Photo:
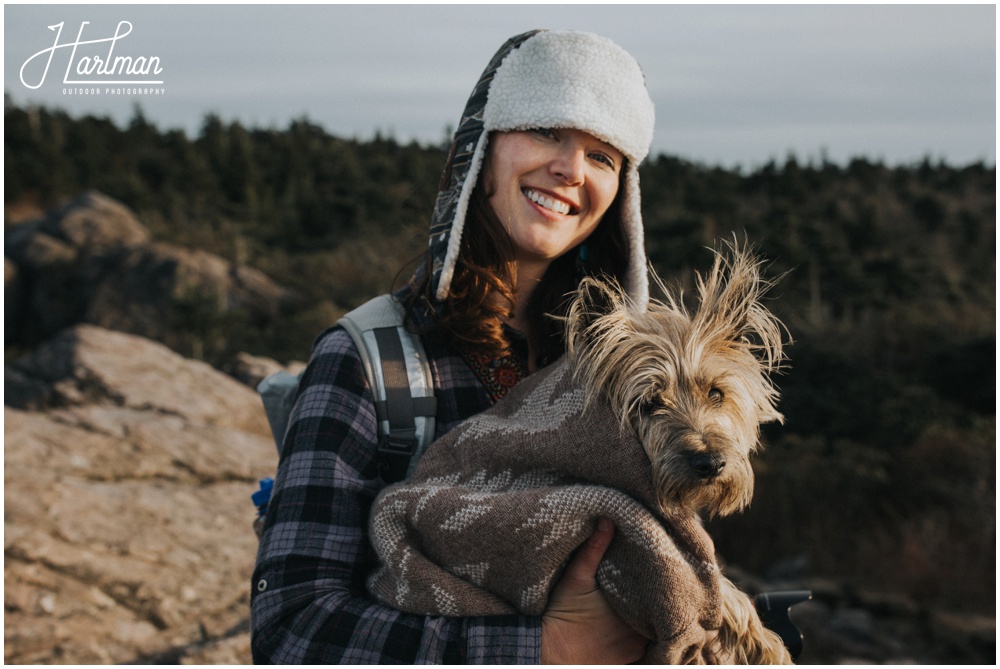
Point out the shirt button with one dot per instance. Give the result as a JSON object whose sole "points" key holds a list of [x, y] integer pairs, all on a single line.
{"points": [[261, 585]]}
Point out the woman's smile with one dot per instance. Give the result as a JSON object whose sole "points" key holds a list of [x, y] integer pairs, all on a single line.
{"points": [[549, 202]]}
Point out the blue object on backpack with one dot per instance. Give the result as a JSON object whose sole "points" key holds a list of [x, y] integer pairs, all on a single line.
{"points": [[263, 496]]}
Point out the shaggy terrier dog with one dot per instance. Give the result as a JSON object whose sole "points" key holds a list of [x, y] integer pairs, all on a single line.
{"points": [[649, 420]]}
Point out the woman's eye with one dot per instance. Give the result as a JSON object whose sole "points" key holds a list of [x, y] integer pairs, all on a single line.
{"points": [[716, 395], [604, 158], [544, 132]]}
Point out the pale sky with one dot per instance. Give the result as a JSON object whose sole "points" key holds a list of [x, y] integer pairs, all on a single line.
{"points": [[733, 85]]}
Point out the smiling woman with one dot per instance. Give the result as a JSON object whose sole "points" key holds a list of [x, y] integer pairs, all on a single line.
{"points": [[550, 188], [540, 190], [574, 90]]}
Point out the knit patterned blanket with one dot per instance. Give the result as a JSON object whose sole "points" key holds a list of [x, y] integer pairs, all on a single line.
{"points": [[494, 509]]}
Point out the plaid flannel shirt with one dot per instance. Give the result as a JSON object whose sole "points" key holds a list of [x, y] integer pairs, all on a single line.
{"points": [[308, 600]]}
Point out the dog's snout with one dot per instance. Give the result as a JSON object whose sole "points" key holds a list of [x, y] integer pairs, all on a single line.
{"points": [[707, 465]]}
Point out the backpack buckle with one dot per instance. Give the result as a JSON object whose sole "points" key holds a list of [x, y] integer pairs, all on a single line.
{"points": [[395, 452], [398, 444]]}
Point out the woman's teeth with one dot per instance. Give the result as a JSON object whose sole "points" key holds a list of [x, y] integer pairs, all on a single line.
{"points": [[546, 202]]}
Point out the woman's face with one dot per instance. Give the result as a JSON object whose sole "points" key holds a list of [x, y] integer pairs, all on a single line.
{"points": [[550, 188]]}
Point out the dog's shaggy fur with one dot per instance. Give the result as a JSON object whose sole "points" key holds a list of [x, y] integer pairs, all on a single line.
{"points": [[694, 387], [650, 420]]}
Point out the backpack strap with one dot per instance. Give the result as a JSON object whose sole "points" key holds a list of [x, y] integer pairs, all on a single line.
{"points": [[400, 377], [399, 374]]}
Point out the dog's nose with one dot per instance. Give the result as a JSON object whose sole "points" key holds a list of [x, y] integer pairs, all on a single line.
{"points": [[707, 465]]}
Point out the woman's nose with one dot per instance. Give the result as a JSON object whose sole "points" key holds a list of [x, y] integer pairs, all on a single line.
{"points": [[570, 163]]}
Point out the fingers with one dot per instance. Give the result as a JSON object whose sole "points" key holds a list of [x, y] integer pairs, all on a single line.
{"points": [[583, 568], [578, 625]]}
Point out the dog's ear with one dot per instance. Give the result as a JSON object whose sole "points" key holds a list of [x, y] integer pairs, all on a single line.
{"points": [[731, 307], [597, 298], [594, 299]]}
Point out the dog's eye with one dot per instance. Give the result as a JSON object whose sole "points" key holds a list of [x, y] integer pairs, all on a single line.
{"points": [[650, 404], [715, 395]]}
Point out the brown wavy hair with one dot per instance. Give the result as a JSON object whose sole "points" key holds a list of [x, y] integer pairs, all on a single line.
{"points": [[481, 294]]}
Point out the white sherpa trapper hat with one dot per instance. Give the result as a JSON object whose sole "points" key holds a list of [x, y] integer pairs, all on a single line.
{"points": [[550, 79]]}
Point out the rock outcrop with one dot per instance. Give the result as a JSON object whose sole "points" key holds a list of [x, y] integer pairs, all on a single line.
{"points": [[92, 261], [127, 476]]}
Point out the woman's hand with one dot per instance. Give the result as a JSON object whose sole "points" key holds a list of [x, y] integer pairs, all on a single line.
{"points": [[579, 627]]}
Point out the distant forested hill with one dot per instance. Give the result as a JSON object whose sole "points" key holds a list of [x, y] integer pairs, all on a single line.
{"points": [[885, 467]]}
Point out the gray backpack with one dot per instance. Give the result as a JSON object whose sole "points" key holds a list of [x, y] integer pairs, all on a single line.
{"points": [[399, 374]]}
